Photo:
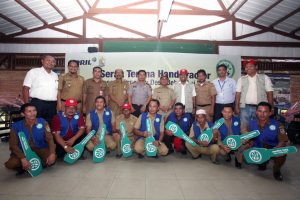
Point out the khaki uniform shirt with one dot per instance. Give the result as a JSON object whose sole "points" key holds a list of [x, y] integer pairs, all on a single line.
{"points": [[93, 89], [118, 89], [164, 95], [129, 123], [204, 93], [14, 141], [140, 92], [161, 128], [71, 87]]}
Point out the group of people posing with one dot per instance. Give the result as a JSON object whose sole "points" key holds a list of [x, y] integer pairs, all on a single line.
{"points": [[59, 112]]}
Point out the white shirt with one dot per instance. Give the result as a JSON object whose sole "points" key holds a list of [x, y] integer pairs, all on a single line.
{"points": [[183, 92], [251, 96], [225, 90], [43, 85]]}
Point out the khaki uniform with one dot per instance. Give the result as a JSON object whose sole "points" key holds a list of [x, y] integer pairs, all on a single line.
{"points": [[110, 143], [118, 89], [92, 89], [14, 162], [139, 146], [204, 94], [165, 96], [212, 150]]}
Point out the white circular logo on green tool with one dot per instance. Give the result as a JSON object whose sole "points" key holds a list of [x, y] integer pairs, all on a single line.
{"points": [[173, 128], [231, 143], [204, 137], [150, 147], [99, 153], [126, 148], [35, 164], [229, 65], [255, 156], [74, 155]]}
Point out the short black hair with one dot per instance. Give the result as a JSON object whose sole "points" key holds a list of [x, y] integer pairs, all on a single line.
{"points": [[97, 67], [140, 71], [101, 97], [201, 71], [74, 61], [179, 104], [25, 105], [222, 65], [227, 106], [152, 100], [263, 103]]}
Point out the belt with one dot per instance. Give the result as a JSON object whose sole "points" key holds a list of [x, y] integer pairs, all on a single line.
{"points": [[204, 105], [252, 105], [47, 101], [137, 104], [78, 101]]}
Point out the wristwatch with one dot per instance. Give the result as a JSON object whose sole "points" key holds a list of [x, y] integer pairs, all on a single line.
{"points": [[65, 147]]}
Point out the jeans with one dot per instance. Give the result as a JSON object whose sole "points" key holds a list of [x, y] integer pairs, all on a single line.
{"points": [[246, 115]]}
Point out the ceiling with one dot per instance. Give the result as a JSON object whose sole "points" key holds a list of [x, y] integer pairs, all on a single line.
{"points": [[230, 20]]}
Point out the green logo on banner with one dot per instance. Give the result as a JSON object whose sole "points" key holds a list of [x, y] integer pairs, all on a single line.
{"points": [[229, 65], [231, 143], [35, 164], [74, 155], [255, 156]]}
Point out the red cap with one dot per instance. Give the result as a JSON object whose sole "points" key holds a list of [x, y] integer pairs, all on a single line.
{"points": [[251, 61], [183, 71], [71, 102], [126, 106]]}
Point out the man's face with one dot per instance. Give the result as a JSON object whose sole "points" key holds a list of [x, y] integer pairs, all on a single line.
{"points": [[49, 62], [141, 76], [263, 113], [119, 74], [70, 111], [126, 112], [222, 72], [73, 67], [153, 107], [99, 104], [183, 77], [227, 113], [250, 69], [164, 81], [30, 113], [178, 111], [201, 119], [201, 77], [97, 73]]}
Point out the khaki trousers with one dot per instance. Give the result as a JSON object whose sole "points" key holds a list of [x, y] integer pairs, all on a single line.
{"points": [[110, 143], [212, 150]]}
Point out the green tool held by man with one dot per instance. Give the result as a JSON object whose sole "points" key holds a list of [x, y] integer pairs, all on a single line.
{"points": [[151, 149], [125, 142], [207, 134], [36, 167], [178, 132], [261, 155], [71, 158], [99, 151], [235, 141]]}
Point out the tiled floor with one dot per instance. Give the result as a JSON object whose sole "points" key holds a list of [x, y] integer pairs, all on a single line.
{"points": [[172, 177]]}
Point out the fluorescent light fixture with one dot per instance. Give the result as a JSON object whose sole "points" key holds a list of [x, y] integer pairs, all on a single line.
{"points": [[165, 8]]}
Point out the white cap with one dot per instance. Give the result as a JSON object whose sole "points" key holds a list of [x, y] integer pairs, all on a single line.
{"points": [[200, 112]]}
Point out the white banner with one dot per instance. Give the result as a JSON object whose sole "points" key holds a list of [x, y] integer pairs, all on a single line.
{"points": [[155, 65]]}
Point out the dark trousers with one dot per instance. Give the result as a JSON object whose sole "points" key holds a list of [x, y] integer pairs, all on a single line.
{"points": [[168, 140], [137, 109], [218, 110], [60, 152], [45, 109]]}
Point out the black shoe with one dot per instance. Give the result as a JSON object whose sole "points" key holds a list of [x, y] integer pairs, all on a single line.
{"points": [[262, 167], [196, 157], [119, 155], [141, 156], [216, 162], [237, 164], [20, 172], [170, 151], [83, 156], [183, 152], [278, 176], [228, 158]]}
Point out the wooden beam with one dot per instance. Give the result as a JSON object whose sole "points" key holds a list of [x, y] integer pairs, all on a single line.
{"points": [[84, 26], [159, 29], [95, 4], [120, 27], [266, 10], [81, 6], [222, 5], [196, 29], [135, 4], [31, 11], [285, 17], [57, 9], [232, 4], [295, 31], [45, 26], [13, 22], [65, 32], [87, 3], [233, 24], [239, 7], [249, 34]]}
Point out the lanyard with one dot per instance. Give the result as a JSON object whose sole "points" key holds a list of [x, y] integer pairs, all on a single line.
{"points": [[221, 86]]}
